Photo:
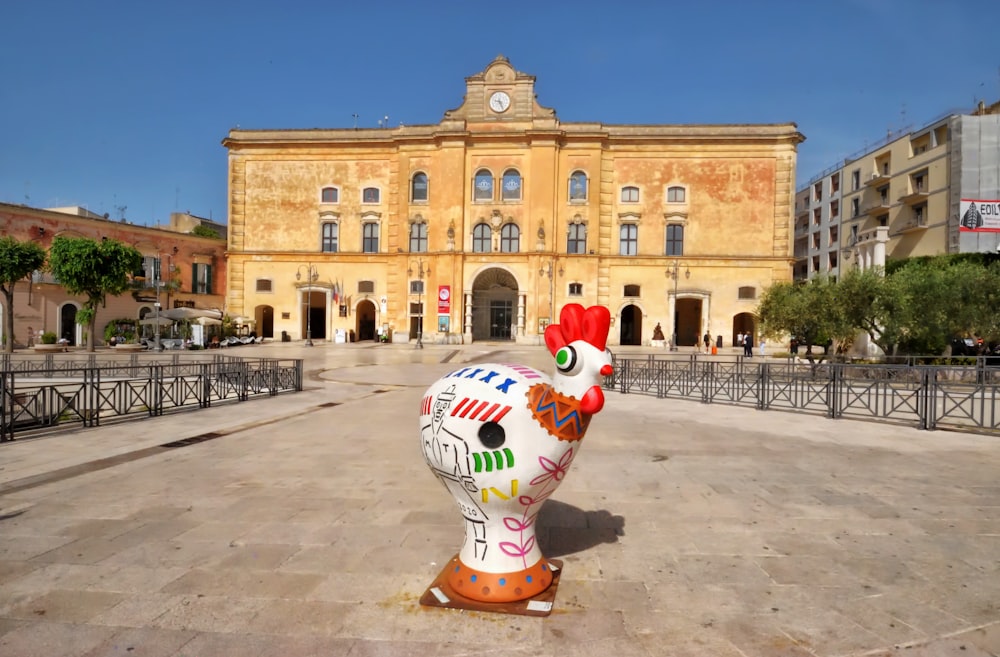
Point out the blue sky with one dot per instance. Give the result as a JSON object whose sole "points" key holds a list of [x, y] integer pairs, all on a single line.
{"points": [[111, 104]]}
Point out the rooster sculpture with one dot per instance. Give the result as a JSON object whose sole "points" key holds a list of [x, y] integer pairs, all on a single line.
{"points": [[501, 438]]}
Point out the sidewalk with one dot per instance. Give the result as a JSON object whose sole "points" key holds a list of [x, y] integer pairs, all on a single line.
{"points": [[308, 524]]}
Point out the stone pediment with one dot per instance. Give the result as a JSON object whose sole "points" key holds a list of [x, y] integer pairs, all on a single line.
{"points": [[501, 94]]}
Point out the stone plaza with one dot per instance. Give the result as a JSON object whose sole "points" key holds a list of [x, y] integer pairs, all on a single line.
{"points": [[308, 524]]}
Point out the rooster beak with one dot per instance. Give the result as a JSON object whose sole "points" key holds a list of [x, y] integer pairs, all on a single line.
{"points": [[607, 370]]}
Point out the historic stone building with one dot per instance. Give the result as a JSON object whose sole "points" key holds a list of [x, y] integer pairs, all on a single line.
{"points": [[191, 272], [482, 226]]}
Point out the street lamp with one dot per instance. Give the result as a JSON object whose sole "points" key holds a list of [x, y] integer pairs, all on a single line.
{"points": [[311, 276], [421, 271], [156, 327], [547, 271], [674, 273]]}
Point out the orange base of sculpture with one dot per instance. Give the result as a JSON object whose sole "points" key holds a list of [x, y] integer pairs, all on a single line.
{"points": [[496, 593]]}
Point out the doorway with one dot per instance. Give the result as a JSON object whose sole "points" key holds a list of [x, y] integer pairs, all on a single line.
{"points": [[265, 320], [314, 317], [630, 330], [494, 303], [67, 324], [687, 319], [365, 314]]}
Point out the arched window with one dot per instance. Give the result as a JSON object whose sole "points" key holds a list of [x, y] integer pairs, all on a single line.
{"points": [[481, 239], [576, 241], [418, 238], [630, 194], [577, 187], [418, 188], [628, 240], [371, 195], [483, 185], [370, 238], [331, 238], [329, 195], [511, 185], [675, 240], [676, 194], [510, 239]]}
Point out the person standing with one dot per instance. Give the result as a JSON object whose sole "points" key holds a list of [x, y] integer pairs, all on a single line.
{"points": [[748, 344], [707, 339]]}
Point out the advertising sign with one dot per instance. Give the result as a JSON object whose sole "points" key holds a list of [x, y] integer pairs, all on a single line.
{"points": [[444, 299], [979, 216]]}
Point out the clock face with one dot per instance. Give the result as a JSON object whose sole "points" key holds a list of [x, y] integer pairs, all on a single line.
{"points": [[499, 101]]}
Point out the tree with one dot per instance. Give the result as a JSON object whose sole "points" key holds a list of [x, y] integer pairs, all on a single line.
{"points": [[93, 269], [17, 260], [807, 310], [204, 231]]}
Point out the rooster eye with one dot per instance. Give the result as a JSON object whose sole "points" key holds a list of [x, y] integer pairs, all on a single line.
{"points": [[567, 361], [492, 435]]}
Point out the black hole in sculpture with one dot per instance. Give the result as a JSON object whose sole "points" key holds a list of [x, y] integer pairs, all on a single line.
{"points": [[492, 435]]}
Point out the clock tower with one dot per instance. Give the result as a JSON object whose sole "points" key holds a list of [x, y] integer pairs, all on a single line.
{"points": [[500, 93]]}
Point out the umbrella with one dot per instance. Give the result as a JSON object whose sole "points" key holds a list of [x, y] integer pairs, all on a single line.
{"points": [[239, 319], [152, 321], [208, 321], [190, 313]]}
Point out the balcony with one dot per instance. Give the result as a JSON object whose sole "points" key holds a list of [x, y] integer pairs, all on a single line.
{"points": [[877, 179], [918, 195], [913, 225], [878, 207]]}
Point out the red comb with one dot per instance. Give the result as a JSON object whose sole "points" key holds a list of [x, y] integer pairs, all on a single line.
{"points": [[575, 323]]}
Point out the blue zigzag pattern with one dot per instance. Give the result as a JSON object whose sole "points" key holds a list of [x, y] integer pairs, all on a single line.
{"points": [[560, 421]]}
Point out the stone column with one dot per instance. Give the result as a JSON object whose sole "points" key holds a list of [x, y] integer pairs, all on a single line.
{"points": [[468, 316]]}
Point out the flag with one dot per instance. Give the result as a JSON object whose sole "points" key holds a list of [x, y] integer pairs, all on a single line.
{"points": [[336, 292]]}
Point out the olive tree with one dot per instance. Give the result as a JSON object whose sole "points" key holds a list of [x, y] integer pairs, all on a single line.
{"points": [[94, 269], [17, 260]]}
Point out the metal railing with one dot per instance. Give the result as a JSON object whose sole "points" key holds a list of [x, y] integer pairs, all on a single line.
{"points": [[50, 393], [925, 396]]}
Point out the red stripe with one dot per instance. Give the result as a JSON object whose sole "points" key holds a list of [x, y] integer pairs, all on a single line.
{"points": [[476, 412], [487, 414], [459, 407], [468, 408], [499, 416]]}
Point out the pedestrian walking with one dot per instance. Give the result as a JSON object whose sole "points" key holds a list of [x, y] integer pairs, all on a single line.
{"points": [[707, 339], [748, 344]]}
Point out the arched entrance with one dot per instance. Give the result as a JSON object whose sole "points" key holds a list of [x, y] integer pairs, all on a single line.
{"points": [[630, 326], [314, 319], [265, 320], [67, 323], [365, 314], [494, 305], [744, 323], [688, 322]]}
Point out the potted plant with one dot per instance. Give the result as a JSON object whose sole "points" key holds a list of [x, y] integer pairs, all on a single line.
{"points": [[48, 342]]}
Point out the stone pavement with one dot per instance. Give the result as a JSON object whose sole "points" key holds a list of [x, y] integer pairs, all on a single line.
{"points": [[308, 524]]}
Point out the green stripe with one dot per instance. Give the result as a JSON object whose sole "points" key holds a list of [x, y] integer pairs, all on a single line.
{"points": [[499, 459], [510, 457], [489, 462], [479, 462]]}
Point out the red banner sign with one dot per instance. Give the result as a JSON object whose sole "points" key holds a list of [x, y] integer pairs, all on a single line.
{"points": [[444, 299]]}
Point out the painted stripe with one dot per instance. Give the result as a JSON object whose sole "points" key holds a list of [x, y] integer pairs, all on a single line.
{"points": [[510, 457], [486, 416], [499, 416], [468, 407], [477, 411], [498, 457], [459, 407], [478, 460], [489, 461]]}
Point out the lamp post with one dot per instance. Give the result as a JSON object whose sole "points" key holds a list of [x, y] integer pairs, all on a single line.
{"points": [[547, 271], [156, 327], [674, 273], [421, 271], [311, 276]]}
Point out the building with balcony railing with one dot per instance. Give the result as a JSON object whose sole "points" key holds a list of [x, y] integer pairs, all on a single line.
{"points": [[905, 197]]}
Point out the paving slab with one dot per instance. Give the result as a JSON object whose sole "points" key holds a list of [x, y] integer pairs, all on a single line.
{"points": [[311, 526]]}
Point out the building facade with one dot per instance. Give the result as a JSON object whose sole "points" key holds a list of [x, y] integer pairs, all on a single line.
{"points": [[907, 196], [191, 270], [482, 226]]}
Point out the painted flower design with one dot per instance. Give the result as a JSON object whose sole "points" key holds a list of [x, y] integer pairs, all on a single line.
{"points": [[552, 469]]}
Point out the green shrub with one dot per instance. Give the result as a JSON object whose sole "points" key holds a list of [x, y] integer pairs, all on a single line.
{"points": [[48, 337]]}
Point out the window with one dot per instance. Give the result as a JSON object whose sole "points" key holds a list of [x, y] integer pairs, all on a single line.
{"points": [[631, 290], [835, 183], [834, 236], [855, 207], [675, 195], [370, 238], [817, 216], [416, 287], [854, 236], [330, 195], [748, 292], [370, 195], [418, 238], [628, 240], [675, 240], [511, 185], [418, 188], [483, 186], [918, 184], [630, 194], [855, 180], [264, 285], [151, 270], [366, 287], [510, 239], [201, 277], [576, 241], [818, 191], [578, 187], [834, 208], [576, 289], [919, 213], [331, 238], [481, 239]]}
